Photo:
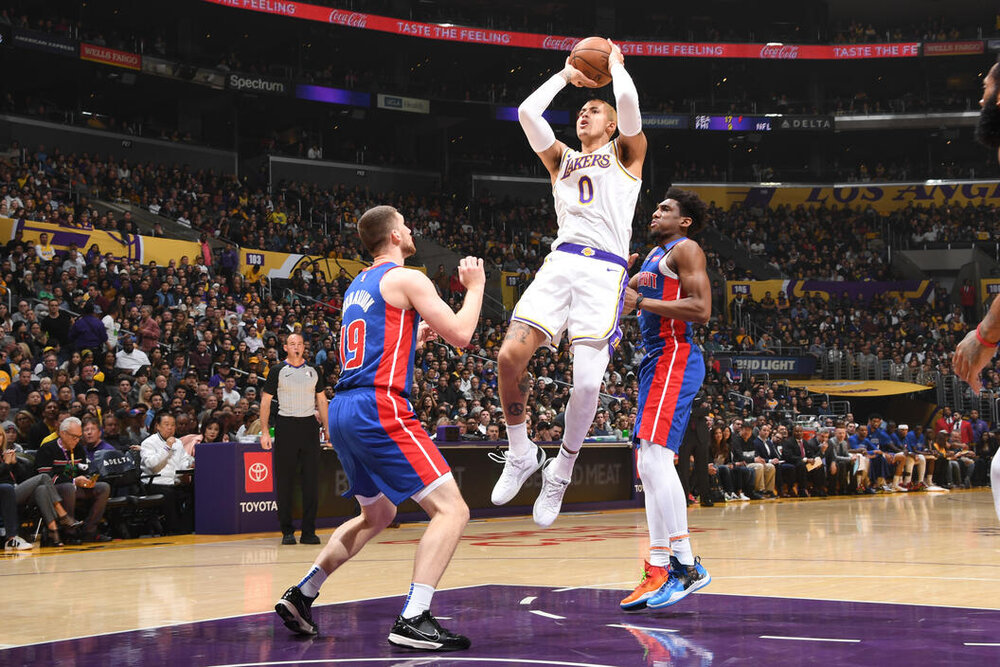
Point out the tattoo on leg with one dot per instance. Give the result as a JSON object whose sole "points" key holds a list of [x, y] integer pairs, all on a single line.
{"points": [[524, 383], [515, 409], [517, 331]]}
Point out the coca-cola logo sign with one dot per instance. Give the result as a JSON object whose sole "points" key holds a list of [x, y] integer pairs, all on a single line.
{"points": [[350, 19], [554, 43], [779, 51]]}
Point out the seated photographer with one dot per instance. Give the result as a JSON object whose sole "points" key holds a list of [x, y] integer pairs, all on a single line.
{"points": [[163, 456], [65, 459]]}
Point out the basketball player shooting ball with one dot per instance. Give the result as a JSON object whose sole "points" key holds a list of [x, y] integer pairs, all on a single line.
{"points": [[580, 286], [979, 345]]}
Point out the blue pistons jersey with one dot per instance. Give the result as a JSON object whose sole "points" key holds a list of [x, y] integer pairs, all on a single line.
{"points": [[377, 340], [379, 441]]}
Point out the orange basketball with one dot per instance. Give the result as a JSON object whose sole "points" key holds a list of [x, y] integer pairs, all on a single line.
{"points": [[590, 56]]}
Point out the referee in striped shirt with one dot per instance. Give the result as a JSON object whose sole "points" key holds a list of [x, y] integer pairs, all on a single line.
{"points": [[302, 407]]}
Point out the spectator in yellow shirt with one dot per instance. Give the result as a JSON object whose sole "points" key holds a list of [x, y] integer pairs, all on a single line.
{"points": [[46, 251]]}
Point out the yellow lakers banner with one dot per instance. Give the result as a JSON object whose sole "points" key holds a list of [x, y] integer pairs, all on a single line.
{"points": [[255, 264], [883, 198], [825, 289], [146, 249]]}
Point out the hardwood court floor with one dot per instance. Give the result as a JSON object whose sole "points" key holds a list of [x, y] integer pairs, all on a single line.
{"points": [[932, 549]]}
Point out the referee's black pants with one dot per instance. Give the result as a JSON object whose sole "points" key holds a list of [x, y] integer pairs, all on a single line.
{"points": [[296, 444]]}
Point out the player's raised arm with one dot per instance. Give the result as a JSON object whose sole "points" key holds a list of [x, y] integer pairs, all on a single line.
{"points": [[540, 135], [455, 328], [631, 140]]}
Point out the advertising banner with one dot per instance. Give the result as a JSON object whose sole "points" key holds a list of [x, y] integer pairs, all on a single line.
{"points": [[256, 83], [861, 387], [231, 477], [397, 103], [45, 41], [914, 290], [332, 95], [113, 57], [258, 472], [953, 48], [146, 249], [754, 364], [665, 121], [823, 123], [554, 116], [472, 35], [883, 198]]}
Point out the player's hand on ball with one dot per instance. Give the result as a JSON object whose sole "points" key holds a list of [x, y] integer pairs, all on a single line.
{"points": [[577, 78], [471, 273], [615, 57]]}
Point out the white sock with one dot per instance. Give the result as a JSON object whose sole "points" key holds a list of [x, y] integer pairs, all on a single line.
{"points": [[653, 489], [681, 544], [659, 554], [418, 601], [670, 494], [313, 580], [562, 467], [519, 445]]}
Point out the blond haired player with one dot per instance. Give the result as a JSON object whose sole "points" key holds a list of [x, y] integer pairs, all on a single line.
{"points": [[580, 286]]}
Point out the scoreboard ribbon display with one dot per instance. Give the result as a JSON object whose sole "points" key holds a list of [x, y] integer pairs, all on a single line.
{"points": [[472, 35]]}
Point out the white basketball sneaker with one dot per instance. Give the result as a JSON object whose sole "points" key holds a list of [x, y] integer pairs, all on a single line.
{"points": [[549, 500], [516, 470]]}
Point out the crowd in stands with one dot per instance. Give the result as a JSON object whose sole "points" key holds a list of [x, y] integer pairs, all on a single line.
{"points": [[154, 358]]}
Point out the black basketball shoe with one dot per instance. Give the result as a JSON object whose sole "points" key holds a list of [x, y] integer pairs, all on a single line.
{"points": [[295, 609], [426, 634]]}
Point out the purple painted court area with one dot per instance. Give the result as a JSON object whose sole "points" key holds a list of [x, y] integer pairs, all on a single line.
{"points": [[520, 625]]}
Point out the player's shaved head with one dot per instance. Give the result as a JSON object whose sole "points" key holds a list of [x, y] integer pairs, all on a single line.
{"points": [[375, 226]]}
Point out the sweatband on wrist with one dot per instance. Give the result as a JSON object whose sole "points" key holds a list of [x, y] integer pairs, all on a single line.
{"points": [[983, 341]]}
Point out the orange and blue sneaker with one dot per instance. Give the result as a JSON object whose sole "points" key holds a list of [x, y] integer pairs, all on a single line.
{"points": [[653, 577]]}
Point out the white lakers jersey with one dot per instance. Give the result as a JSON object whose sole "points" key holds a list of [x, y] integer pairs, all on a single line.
{"points": [[595, 200]]}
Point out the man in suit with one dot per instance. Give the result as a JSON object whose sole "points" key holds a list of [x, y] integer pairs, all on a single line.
{"points": [[767, 453], [695, 443], [840, 462], [793, 459], [816, 449], [963, 426]]}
